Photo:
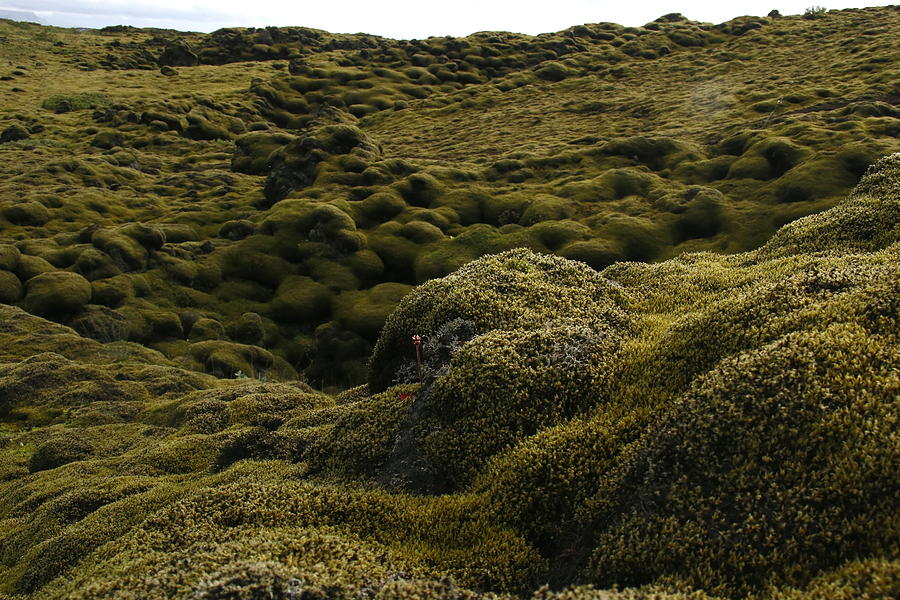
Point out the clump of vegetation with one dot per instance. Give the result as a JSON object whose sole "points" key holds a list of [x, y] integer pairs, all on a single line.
{"points": [[814, 11], [63, 103]]}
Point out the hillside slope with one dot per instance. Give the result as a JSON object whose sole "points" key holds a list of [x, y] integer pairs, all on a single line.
{"points": [[273, 193]]}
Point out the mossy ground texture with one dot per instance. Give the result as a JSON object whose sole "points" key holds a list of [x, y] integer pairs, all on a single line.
{"points": [[655, 272]]}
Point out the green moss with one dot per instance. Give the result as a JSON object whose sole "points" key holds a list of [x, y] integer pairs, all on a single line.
{"points": [[300, 299], [553, 71], [814, 180], [467, 204], [748, 394], [206, 329], [102, 324], [554, 235], [440, 301], [732, 436], [252, 151], [612, 185], [396, 252], [226, 359], [56, 294], [112, 292], [702, 215], [94, 264], [639, 238], [29, 214], [256, 259], [248, 329], [547, 208], [862, 222], [656, 153], [10, 288], [237, 230], [364, 434], [366, 311], [57, 451], [420, 189], [598, 253], [9, 257], [381, 207], [315, 222], [126, 253], [62, 103]]}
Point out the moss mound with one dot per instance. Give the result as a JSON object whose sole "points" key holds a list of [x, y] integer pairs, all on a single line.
{"points": [[56, 293], [10, 288]]}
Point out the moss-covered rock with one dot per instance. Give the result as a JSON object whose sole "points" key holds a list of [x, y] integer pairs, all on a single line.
{"points": [[56, 294], [32, 214], [14, 133], [237, 230], [31, 266], [126, 253], [229, 359], [95, 264], [366, 311], [9, 257], [253, 151], [315, 222], [750, 420], [295, 166], [10, 288], [206, 329], [59, 450], [178, 53], [102, 324], [248, 329], [300, 299], [511, 300]]}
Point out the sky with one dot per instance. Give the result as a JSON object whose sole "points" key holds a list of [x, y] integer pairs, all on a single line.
{"points": [[403, 19]]}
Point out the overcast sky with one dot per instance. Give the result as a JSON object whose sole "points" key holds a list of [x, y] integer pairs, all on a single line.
{"points": [[397, 19]]}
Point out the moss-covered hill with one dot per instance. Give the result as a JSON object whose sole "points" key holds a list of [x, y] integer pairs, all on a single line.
{"points": [[215, 250], [262, 201]]}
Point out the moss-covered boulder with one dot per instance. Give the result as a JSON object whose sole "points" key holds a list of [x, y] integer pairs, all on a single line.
{"points": [[237, 230], [300, 299], [9, 257], [206, 329], [30, 266], [229, 360], [126, 253], [95, 264], [752, 424], [296, 165], [14, 133], [10, 288], [500, 329], [102, 324], [253, 151], [59, 450], [33, 214], [248, 329], [56, 294], [178, 53], [366, 311]]}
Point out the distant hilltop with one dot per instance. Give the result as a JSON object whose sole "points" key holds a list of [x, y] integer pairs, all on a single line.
{"points": [[21, 15]]}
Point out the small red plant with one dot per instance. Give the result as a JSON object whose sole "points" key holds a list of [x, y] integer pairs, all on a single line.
{"points": [[417, 340]]}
